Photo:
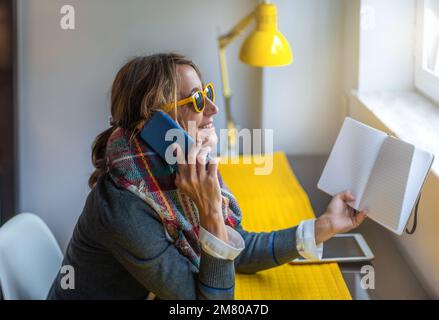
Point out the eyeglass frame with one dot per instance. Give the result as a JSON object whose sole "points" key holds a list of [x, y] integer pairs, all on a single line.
{"points": [[192, 99]]}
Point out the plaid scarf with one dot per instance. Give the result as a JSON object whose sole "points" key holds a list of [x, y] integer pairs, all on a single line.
{"points": [[137, 168]]}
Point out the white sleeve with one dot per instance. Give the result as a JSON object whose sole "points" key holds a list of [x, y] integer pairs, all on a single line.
{"points": [[306, 242], [220, 249]]}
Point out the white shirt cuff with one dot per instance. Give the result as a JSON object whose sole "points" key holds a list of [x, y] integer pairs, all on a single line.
{"points": [[220, 249], [306, 242]]}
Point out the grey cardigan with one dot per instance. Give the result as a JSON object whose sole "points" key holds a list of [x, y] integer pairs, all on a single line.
{"points": [[119, 251]]}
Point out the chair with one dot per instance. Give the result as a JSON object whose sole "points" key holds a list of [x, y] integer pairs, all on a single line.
{"points": [[29, 258]]}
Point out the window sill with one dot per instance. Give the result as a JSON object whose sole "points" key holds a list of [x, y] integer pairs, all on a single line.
{"points": [[407, 115]]}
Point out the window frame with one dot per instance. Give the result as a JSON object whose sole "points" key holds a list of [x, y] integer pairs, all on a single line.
{"points": [[425, 81]]}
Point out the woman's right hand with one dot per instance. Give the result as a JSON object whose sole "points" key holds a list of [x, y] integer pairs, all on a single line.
{"points": [[200, 183]]}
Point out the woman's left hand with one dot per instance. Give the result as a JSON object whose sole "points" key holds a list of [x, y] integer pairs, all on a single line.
{"points": [[338, 218]]}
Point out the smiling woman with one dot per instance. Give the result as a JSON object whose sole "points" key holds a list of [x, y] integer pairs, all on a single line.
{"points": [[149, 230]]}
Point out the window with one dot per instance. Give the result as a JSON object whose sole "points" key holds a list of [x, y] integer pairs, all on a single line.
{"points": [[427, 51], [430, 55]]}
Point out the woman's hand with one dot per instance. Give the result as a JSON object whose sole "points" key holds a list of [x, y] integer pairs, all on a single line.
{"points": [[200, 183], [338, 218]]}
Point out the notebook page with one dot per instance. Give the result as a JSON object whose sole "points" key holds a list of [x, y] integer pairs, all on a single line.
{"points": [[421, 164], [351, 160], [385, 191]]}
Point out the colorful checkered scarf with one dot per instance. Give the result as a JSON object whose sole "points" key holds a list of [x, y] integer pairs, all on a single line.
{"points": [[133, 165]]}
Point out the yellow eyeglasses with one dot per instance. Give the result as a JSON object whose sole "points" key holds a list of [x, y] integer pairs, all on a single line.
{"points": [[198, 99]]}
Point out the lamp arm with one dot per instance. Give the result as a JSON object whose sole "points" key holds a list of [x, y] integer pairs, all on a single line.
{"points": [[225, 39], [227, 93], [224, 72]]}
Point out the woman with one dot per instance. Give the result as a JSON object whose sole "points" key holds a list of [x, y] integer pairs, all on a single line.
{"points": [[147, 230]]}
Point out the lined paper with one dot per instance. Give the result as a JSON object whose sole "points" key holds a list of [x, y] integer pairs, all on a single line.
{"points": [[385, 191]]}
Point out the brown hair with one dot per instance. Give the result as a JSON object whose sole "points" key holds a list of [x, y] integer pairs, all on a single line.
{"points": [[142, 85]]}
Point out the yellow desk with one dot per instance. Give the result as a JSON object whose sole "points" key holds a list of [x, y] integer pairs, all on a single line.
{"points": [[273, 202]]}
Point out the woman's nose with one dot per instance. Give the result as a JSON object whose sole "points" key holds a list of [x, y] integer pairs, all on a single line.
{"points": [[211, 108]]}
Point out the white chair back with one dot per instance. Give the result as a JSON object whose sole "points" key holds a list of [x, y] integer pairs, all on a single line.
{"points": [[30, 258]]}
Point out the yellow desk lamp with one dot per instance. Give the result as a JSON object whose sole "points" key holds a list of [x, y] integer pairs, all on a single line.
{"points": [[264, 47]]}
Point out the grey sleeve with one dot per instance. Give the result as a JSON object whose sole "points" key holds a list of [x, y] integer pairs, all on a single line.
{"points": [[266, 250], [139, 243]]}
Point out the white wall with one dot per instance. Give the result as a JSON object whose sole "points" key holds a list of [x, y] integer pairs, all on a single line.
{"points": [[387, 42], [65, 78], [303, 102]]}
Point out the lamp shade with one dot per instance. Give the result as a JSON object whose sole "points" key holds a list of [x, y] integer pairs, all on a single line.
{"points": [[266, 46]]}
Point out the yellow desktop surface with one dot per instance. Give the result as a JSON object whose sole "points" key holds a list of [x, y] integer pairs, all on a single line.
{"points": [[272, 202]]}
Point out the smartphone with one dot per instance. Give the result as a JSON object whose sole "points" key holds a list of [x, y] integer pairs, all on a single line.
{"points": [[161, 131], [347, 247]]}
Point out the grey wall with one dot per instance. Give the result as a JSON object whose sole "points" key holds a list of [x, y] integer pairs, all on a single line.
{"points": [[65, 78]]}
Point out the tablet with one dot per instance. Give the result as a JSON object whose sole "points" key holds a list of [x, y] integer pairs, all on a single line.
{"points": [[347, 247]]}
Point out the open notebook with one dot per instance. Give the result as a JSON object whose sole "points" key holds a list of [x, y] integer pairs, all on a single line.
{"points": [[384, 173]]}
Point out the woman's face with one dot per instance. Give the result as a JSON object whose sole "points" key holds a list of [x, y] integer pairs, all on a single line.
{"points": [[189, 84]]}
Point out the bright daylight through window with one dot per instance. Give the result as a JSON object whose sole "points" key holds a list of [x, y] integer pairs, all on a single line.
{"points": [[430, 55]]}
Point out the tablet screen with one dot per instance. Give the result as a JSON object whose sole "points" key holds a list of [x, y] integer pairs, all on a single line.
{"points": [[339, 247]]}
